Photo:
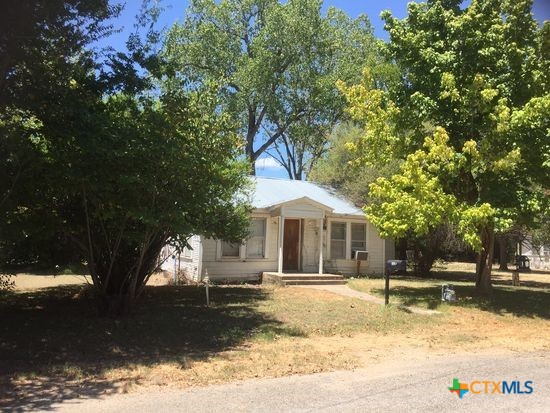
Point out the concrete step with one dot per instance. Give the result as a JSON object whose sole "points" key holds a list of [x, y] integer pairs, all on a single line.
{"points": [[314, 282], [310, 277], [302, 279]]}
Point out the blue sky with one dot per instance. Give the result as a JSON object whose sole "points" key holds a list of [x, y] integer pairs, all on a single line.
{"points": [[175, 11]]}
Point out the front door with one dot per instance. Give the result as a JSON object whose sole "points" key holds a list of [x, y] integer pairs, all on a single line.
{"points": [[291, 243]]}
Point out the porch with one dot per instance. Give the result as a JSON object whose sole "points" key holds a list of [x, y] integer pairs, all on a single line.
{"points": [[301, 237]]}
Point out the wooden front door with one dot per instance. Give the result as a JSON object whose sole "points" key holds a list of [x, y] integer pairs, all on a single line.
{"points": [[291, 242]]}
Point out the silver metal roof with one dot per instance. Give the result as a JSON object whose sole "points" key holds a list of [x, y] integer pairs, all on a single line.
{"points": [[270, 192]]}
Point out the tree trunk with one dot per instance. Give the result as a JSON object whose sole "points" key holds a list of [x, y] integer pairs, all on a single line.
{"points": [[503, 252], [251, 160], [119, 291], [485, 260], [426, 260], [113, 305]]}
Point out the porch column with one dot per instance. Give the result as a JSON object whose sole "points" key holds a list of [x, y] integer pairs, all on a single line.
{"points": [[321, 245], [280, 245]]}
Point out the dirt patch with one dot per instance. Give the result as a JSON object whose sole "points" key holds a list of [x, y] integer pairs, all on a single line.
{"points": [[29, 282]]}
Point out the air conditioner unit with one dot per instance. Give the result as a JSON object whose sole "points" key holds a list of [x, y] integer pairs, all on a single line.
{"points": [[360, 255]]}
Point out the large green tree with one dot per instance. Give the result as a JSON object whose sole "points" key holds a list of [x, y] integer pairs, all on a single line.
{"points": [[119, 163], [469, 122], [43, 47], [338, 168], [278, 62]]}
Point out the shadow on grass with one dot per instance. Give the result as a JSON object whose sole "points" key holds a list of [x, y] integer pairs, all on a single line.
{"points": [[497, 279], [54, 340], [517, 301]]}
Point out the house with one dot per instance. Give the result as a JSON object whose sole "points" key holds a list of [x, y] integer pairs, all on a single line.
{"points": [[539, 257], [296, 226]]}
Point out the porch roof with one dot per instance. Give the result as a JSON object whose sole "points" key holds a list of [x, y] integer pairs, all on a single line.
{"points": [[272, 192]]}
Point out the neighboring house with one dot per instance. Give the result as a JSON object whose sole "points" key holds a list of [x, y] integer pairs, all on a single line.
{"points": [[296, 226], [539, 259]]}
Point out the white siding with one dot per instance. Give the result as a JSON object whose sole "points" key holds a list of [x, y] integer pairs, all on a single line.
{"points": [[375, 247], [238, 269], [302, 210], [223, 269], [310, 246], [189, 265], [539, 259]]}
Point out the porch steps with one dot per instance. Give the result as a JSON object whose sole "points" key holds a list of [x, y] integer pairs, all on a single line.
{"points": [[302, 279]]}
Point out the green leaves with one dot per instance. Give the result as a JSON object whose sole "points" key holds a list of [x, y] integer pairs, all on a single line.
{"points": [[279, 62], [469, 122], [413, 200]]}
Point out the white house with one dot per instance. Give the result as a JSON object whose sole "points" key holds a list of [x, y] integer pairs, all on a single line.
{"points": [[296, 227], [539, 258]]}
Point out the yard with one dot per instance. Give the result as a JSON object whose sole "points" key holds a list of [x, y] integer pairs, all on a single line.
{"points": [[54, 347], [530, 300]]}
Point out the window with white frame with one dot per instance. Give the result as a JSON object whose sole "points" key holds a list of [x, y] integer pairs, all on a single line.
{"points": [[358, 238], [187, 252], [255, 244], [230, 250], [337, 240]]}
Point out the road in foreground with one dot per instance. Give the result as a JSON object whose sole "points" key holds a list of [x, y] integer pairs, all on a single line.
{"points": [[392, 387]]}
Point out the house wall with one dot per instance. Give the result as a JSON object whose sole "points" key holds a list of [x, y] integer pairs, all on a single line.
{"points": [[539, 258], [188, 261], [376, 247], [224, 269], [310, 246]]}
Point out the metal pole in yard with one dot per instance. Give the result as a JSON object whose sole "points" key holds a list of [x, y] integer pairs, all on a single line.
{"points": [[387, 286], [206, 282], [175, 270]]}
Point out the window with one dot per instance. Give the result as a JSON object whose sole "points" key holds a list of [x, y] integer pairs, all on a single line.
{"points": [[230, 250], [255, 244], [187, 252], [358, 238], [338, 240]]}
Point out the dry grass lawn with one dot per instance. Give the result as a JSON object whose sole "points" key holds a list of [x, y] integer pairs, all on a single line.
{"points": [[53, 346]]}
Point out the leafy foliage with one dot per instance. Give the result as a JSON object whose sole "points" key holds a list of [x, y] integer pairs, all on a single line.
{"points": [[278, 63], [43, 61], [339, 168], [469, 122], [115, 166]]}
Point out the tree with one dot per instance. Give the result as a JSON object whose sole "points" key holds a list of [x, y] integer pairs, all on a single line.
{"points": [[42, 50], [137, 187], [279, 63], [469, 123], [338, 169], [120, 166], [299, 148]]}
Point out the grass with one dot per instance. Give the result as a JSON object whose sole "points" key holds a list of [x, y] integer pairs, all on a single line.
{"points": [[54, 347], [52, 338], [531, 300]]}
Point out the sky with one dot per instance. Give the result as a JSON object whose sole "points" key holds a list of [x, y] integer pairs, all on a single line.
{"points": [[175, 12]]}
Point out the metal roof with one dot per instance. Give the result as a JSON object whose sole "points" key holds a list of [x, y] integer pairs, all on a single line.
{"points": [[270, 192]]}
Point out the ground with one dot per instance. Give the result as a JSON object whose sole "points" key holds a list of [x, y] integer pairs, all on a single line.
{"points": [[389, 387], [55, 348]]}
